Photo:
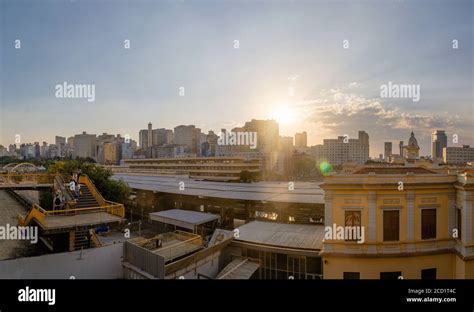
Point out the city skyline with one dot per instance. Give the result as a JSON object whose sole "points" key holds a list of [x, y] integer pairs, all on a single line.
{"points": [[298, 69], [372, 154]]}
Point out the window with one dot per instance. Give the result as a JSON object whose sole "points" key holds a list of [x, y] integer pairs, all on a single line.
{"points": [[429, 274], [351, 275], [459, 222], [391, 225], [428, 223], [390, 275], [352, 218]]}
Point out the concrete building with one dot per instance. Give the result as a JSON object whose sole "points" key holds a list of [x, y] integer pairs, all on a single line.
{"points": [[85, 145], [268, 133], [420, 231], [204, 168], [400, 146], [301, 139], [162, 136], [439, 141], [387, 150], [343, 149], [167, 151], [189, 136], [143, 139], [149, 135], [458, 155]]}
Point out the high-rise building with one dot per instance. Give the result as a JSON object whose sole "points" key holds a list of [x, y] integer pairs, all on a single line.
{"points": [[85, 145], [189, 136], [286, 143], [44, 151], [60, 142], [439, 141], [343, 149], [161, 137], [268, 133], [387, 150], [150, 135], [400, 146], [301, 139], [143, 139], [212, 140], [458, 155]]}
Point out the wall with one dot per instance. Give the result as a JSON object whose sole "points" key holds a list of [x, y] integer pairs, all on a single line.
{"points": [[410, 267], [96, 263]]}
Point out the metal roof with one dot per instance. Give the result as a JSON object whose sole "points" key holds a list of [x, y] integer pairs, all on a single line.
{"points": [[299, 236], [304, 192], [183, 218]]}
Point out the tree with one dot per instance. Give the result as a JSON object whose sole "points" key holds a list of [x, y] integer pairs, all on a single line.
{"points": [[117, 191], [245, 176]]}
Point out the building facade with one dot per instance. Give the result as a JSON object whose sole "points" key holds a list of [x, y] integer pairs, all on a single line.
{"points": [[458, 155], [418, 224], [439, 141]]}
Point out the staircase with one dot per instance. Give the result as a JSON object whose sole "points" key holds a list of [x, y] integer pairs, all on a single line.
{"points": [[81, 241], [86, 199]]}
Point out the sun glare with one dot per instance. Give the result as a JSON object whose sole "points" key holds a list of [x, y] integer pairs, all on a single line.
{"points": [[283, 114]]}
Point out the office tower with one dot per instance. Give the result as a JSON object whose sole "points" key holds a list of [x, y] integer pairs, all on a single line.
{"points": [[85, 145], [387, 150], [268, 133], [143, 139], [161, 137], [458, 155], [439, 141], [343, 149], [189, 136], [301, 139], [400, 146], [150, 135]]}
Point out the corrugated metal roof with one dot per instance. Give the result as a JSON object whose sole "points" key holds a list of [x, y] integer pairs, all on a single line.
{"points": [[299, 236], [304, 192], [183, 218]]}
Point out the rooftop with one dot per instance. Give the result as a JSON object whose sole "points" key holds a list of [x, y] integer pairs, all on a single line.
{"points": [[304, 192], [183, 218], [299, 236], [394, 170]]}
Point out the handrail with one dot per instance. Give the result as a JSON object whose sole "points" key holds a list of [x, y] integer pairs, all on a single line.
{"points": [[59, 184], [84, 179], [115, 209]]}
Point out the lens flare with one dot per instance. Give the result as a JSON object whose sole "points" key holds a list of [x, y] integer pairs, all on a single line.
{"points": [[325, 168]]}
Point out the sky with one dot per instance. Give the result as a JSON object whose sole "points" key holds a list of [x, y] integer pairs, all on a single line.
{"points": [[315, 66]]}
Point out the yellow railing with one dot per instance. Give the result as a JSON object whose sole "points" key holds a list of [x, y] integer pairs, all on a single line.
{"points": [[94, 239], [84, 179], [40, 214], [35, 212], [111, 207]]}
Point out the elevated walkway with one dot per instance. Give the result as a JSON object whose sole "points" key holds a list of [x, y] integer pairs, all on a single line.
{"points": [[77, 218]]}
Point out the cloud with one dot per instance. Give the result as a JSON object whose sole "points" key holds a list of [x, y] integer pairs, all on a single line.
{"points": [[333, 107], [341, 111]]}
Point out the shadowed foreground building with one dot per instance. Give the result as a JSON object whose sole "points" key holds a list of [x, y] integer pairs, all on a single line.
{"points": [[420, 228]]}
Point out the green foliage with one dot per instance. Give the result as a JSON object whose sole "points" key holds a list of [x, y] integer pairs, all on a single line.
{"points": [[247, 176], [117, 191]]}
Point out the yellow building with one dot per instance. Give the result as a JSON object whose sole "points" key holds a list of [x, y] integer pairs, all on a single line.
{"points": [[417, 224]]}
